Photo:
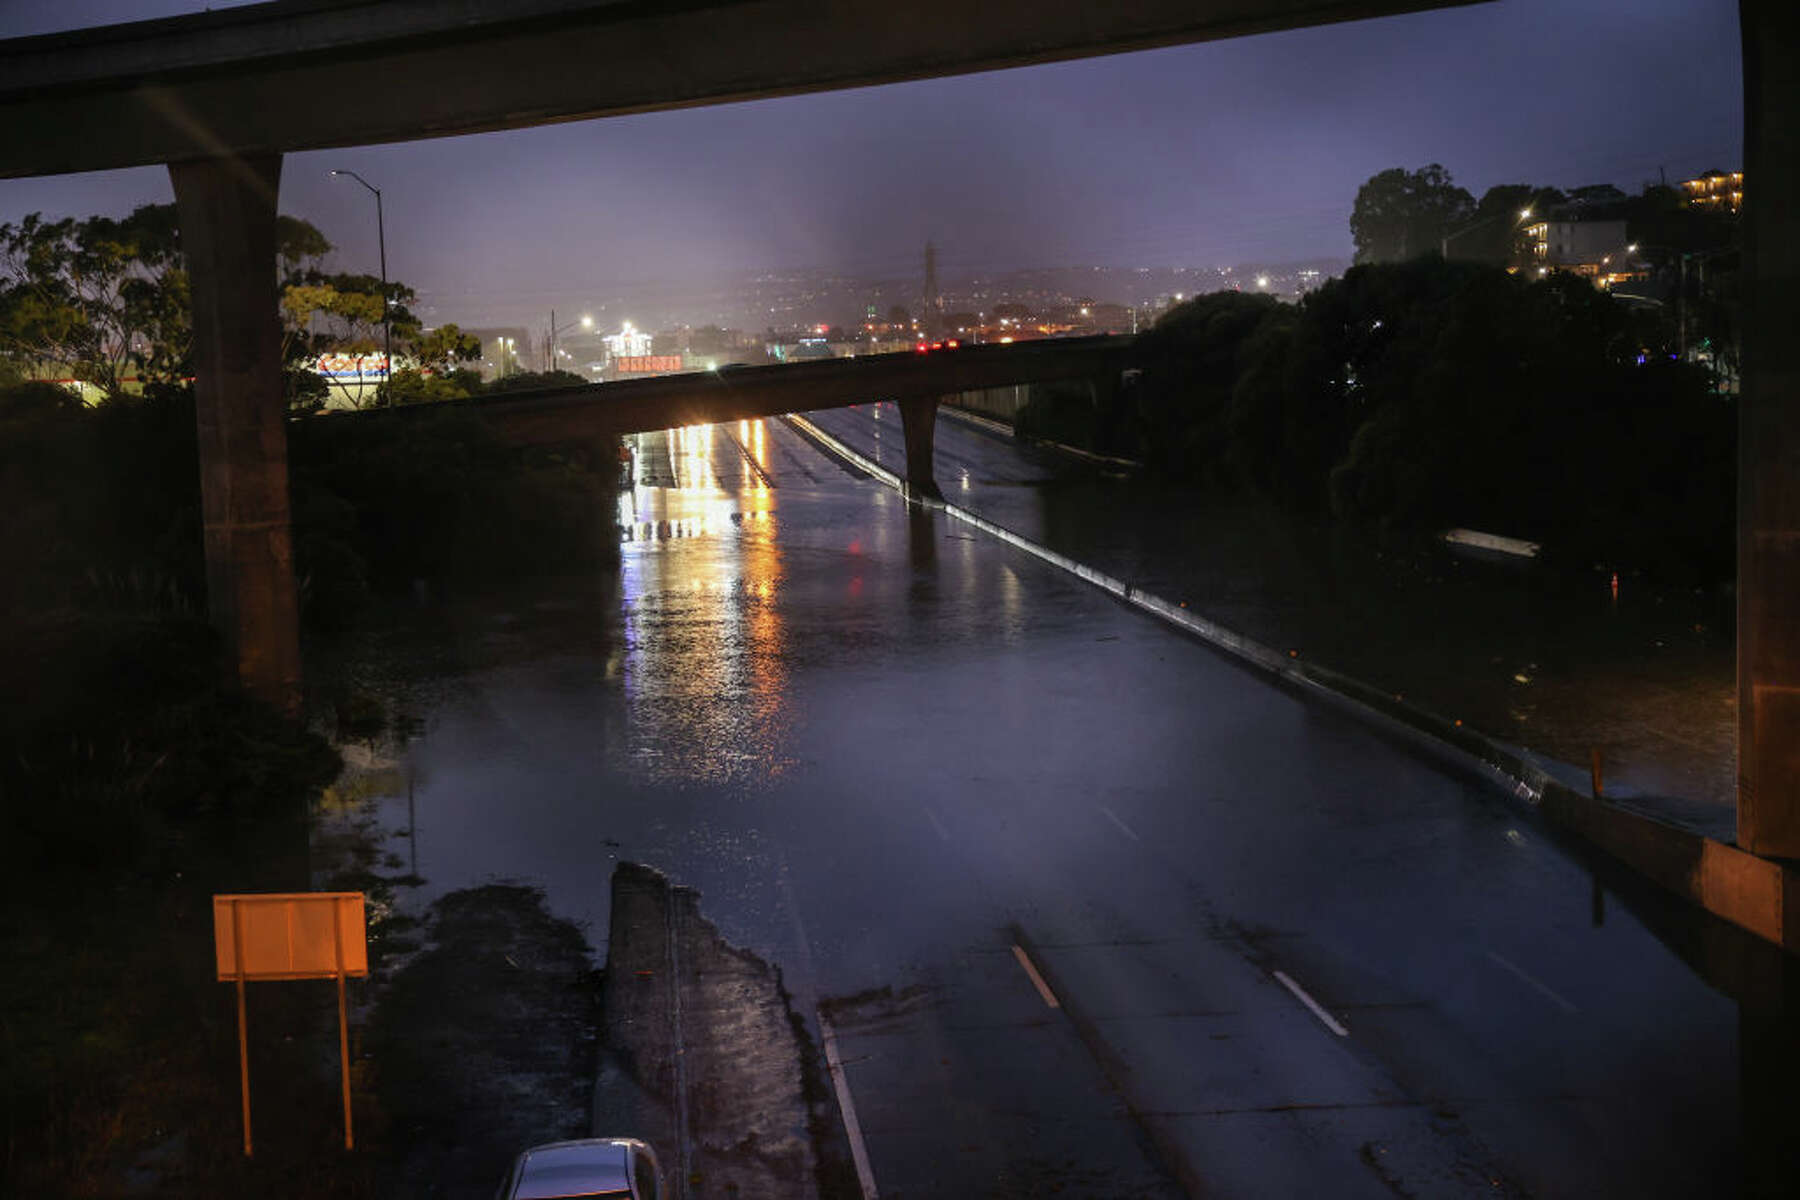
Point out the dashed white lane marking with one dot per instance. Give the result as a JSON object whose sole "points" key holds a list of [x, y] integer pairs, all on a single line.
{"points": [[1330, 1021], [937, 824], [1542, 989], [1037, 980], [1123, 827], [859, 1154]]}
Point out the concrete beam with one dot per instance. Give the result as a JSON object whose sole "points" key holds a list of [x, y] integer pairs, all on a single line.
{"points": [[578, 414], [313, 74], [227, 211], [1768, 634]]}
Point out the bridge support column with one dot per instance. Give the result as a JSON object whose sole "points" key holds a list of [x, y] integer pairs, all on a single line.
{"points": [[1768, 634], [918, 424], [226, 208]]}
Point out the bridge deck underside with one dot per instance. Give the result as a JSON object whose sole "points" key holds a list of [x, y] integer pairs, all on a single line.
{"points": [[274, 78]]}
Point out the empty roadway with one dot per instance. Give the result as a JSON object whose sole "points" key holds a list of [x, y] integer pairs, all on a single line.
{"points": [[943, 786]]}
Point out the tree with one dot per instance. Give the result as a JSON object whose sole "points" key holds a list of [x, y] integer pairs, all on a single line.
{"points": [[1190, 361], [107, 300], [526, 381], [442, 348], [342, 314], [1402, 214], [415, 387], [1493, 231], [95, 298]]}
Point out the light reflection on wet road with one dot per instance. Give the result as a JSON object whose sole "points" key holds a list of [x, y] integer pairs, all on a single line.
{"points": [[885, 749]]}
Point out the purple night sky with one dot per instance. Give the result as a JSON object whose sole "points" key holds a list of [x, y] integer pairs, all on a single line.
{"points": [[1248, 150]]}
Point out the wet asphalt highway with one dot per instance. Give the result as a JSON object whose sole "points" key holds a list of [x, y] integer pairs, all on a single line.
{"points": [[1089, 910]]}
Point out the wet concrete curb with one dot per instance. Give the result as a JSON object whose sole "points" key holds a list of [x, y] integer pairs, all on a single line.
{"points": [[1757, 894], [703, 1055]]}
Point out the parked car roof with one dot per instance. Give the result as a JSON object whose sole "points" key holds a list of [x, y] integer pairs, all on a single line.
{"points": [[590, 1167]]}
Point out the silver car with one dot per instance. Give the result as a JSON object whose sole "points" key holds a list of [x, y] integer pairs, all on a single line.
{"points": [[591, 1167]]}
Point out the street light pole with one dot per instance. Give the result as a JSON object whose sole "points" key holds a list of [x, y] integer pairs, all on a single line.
{"points": [[1444, 244], [585, 322], [387, 324]]}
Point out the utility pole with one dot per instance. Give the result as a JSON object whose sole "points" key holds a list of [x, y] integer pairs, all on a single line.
{"points": [[1681, 314], [934, 304]]}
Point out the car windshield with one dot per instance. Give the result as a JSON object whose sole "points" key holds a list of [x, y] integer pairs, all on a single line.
{"points": [[561, 1172]]}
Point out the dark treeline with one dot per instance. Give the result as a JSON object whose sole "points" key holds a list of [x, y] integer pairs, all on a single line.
{"points": [[134, 781], [100, 505], [100, 526], [113, 699], [1426, 395]]}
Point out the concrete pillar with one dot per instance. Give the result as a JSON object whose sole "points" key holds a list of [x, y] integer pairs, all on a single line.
{"points": [[226, 208], [918, 422], [1769, 438]]}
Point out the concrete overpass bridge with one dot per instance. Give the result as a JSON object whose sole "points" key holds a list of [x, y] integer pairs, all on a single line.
{"points": [[220, 96], [915, 381]]}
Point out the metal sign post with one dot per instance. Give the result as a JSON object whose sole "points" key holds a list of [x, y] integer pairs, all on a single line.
{"points": [[291, 935]]}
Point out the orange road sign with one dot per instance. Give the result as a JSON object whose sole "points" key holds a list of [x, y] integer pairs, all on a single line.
{"points": [[291, 935]]}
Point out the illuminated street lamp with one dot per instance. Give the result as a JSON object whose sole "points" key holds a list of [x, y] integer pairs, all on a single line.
{"points": [[387, 325], [586, 322]]}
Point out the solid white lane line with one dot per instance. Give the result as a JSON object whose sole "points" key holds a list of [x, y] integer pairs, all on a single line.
{"points": [[937, 824], [1330, 1021], [859, 1153], [1123, 827], [1542, 989], [1037, 980]]}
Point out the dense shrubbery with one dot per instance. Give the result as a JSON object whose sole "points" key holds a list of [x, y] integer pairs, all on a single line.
{"points": [[525, 381], [386, 498], [120, 747], [1430, 394], [100, 507], [114, 720]]}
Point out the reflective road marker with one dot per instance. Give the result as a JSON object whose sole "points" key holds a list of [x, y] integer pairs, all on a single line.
{"points": [[1037, 980], [1123, 827], [1330, 1021], [1542, 989]]}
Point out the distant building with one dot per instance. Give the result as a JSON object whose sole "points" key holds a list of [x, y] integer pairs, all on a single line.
{"points": [[629, 342], [636, 366], [1719, 190], [1595, 249], [504, 351], [1593, 202], [807, 347]]}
